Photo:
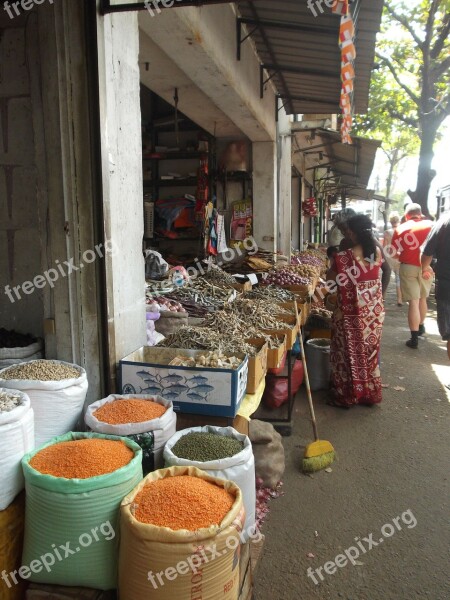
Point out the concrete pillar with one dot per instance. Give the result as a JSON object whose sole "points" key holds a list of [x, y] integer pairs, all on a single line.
{"points": [[285, 185], [121, 155], [265, 217]]}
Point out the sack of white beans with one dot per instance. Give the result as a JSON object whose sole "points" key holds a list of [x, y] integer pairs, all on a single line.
{"points": [[57, 391], [16, 439]]}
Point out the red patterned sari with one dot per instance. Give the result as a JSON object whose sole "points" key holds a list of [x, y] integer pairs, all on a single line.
{"points": [[356, 332]]}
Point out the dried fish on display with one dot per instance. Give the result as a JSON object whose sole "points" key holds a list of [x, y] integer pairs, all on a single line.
{"points": [[260, 308], [203, 294], [215, 274], [271, 292], [202, 338], [230, 323]]}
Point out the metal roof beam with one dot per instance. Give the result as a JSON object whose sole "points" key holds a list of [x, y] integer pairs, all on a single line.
{"points": [[286, 26]]}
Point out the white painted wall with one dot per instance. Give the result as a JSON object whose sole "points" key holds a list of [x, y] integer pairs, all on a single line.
{"points": [[120, 114], [265, 194], [295, 226]]}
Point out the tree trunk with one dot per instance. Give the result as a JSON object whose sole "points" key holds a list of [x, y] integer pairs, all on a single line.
{"points": [[393, 160], [425, 174]]}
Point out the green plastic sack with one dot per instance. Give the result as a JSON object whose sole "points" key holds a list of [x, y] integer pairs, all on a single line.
{"points": [[72, 525]]}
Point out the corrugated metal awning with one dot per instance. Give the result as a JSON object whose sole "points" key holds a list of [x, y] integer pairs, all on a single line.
{"points": [[347, 167], [300, 52]]}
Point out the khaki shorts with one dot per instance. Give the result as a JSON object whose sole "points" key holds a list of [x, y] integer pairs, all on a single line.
{"points": [[413, 285]]}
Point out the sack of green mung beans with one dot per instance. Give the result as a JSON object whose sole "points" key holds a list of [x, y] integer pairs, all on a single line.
{"points": [[57, 391], [222, 452], [180, 536]]}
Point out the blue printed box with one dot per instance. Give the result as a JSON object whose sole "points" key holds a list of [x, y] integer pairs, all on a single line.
{"points": [[194, 390]]}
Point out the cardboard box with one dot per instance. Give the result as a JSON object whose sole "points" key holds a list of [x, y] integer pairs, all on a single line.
{"points": [[291, 330], [275, 355], [257, 365], [185, 421], [196, 390], [292, 307], [54, 592]]}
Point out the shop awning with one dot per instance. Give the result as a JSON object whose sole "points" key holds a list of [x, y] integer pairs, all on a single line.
{"points": [[299, 51], [341, 166]]}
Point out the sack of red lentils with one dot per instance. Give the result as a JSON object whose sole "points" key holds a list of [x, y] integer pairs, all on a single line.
{"points": [[180, 537], [57, 391], [223, 453], [150, 421], [74, 486]]}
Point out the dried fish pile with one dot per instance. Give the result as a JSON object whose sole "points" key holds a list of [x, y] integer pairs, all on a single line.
{"points": [[271, 292], [230, 323], [260, 319], [9, 401], [219, 277], [321, 312], [203, 296], [202, 338], [214, 360], [261, 307]]}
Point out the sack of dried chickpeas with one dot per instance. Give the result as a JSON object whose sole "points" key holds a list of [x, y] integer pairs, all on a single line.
{"points": [[57, 391], [149, 421], [74, 487], [180, 537]]}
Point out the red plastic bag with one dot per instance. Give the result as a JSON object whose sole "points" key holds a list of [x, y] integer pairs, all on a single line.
{"points": [[276, 392]]}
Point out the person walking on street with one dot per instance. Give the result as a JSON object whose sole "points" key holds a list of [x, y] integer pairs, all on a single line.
{"points": [[437, 246], [406, 242], [394, 219]]}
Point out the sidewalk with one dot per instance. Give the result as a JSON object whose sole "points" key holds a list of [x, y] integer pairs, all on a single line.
{"points": [[391, 458]]}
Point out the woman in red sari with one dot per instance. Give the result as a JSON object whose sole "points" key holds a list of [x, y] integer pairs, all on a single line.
{"points": [[357, 320]]}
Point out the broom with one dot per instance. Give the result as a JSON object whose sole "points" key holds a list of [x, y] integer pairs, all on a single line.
{"points": [[319, 454]]}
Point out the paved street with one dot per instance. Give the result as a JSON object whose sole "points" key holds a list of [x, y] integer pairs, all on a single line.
{"points": [[393, 458]]}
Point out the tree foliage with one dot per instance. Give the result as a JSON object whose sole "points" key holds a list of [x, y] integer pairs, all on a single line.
{"points": [[410, 91]]}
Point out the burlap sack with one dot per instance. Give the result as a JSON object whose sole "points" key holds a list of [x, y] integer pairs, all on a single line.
{"points": [[268, 451]]}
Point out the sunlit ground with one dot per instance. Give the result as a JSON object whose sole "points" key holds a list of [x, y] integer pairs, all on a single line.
{"points": [[442, 371]]}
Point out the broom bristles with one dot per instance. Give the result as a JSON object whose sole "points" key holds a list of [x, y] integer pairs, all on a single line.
{"points": [[317, 463]]}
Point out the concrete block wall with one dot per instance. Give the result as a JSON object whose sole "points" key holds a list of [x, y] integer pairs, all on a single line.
{"points": [[20, 237]]}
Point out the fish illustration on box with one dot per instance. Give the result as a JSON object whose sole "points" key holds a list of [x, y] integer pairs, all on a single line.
{"points": [[153, 390], [196, 397], [197, 380], [203, 389], [172, 378], [177, 389]]}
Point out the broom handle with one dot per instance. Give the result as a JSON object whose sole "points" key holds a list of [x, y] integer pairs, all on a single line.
{"points": [[308, 388]]}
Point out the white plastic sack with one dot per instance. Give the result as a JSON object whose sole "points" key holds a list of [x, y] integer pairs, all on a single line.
{"points": [[239, 468], [16, 440], [9, 362], [21, 353], [57, 405], [161, 429]]}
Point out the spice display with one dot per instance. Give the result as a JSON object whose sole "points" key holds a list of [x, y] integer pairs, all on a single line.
{"points": [[41, 370], [12, 339], [129, 410], [81, 459], [183, 502], [202, 338], [206, 447], [9, 401], [215, 360], [285, 277]]}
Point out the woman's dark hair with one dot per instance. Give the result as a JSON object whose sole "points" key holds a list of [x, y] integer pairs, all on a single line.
{"points": [[361, 226]]}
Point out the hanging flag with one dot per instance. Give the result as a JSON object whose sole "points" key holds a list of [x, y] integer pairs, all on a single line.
{"points": [[348, 51], [347, 71], [347, 29], [345, 103], [347, 86], [340, 7]]}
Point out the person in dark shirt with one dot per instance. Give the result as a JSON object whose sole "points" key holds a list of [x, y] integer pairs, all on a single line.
{"points": [[437, 245]]}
